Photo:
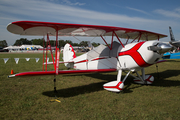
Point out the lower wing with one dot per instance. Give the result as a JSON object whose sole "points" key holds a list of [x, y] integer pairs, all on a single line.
{"points": [[36, 73]]}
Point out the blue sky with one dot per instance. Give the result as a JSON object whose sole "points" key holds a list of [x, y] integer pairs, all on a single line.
{"points": [[151, 15]]}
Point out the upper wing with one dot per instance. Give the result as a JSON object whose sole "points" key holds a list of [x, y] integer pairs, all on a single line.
{"points": [[66, 29]]}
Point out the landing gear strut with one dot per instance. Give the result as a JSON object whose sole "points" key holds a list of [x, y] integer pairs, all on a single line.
{"points": [[55, 92], [118, 85]]}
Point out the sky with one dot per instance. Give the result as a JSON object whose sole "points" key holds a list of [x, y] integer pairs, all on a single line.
{"points": [[151, 15]]}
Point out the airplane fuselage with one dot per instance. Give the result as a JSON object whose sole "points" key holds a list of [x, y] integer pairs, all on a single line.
{"points": [[131, 56]]}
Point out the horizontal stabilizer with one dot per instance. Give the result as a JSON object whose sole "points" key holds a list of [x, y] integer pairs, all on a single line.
{"points": [[36, 73], [60, 62]]}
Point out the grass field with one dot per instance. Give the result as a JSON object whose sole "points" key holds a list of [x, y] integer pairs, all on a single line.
{"points": [[82, 96]]}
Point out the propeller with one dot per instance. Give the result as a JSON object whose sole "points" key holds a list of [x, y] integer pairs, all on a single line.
{"points": [[160, 48]]}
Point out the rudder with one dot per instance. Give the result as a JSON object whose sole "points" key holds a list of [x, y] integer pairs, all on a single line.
{"points": [[171, 34], [68, 55]]}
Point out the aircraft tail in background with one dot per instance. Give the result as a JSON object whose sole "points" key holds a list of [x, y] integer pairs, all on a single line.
{"points": [[90, 45], [171, 34]]}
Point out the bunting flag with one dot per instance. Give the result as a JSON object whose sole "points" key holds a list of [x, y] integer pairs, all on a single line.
{"points": [[37, 59], [5, 60], [27, 59], [16, 60]]}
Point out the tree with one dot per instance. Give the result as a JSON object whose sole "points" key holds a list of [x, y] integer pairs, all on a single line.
{"points": [[95, 44], [62, 43], [83, 43], [23, 41], [75, 44], [69, 41], [37, 41], [3, 43]]}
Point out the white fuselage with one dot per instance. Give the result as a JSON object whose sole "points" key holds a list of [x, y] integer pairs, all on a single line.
{"points": [[131, 56]]}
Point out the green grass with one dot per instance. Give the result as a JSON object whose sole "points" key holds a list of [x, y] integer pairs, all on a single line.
{"points": [[82, 96]]}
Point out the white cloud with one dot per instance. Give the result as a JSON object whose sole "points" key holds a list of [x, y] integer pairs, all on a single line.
{"points": [[175, 13], [177, 10], [43, 10], [70, 3], [138, 10]]}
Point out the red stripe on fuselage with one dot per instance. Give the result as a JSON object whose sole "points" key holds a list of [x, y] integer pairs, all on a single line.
{"points": [[133, 52], [81, 61], [98, 58]]}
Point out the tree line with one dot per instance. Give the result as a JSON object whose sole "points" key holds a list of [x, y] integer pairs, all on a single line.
{"points": [[25, 41], [3, 43]]}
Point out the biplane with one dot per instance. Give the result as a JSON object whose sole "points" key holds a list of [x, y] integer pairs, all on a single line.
{"points": [[141, 49]]}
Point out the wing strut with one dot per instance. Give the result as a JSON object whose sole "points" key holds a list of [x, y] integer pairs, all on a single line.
{"points": [[46, 54], [43, 51], [51, 51], [113, 33], [105, 42], [139, 37], [135, 39], [127, 40], [57, 53], [118, 39], [112, 40]]}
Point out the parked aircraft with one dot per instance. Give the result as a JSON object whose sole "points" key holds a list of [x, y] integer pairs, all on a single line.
{"points": [[173, 42]]}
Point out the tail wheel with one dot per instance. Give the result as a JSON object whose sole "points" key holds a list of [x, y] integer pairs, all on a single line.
{"points": [[149, 79]]}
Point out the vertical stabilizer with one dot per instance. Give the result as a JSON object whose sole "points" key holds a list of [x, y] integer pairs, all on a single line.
{"points": [[90, 45], [68, 55], [171, 34]]}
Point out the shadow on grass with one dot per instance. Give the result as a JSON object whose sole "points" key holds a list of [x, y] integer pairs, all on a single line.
{"points": [[160, 80], [74, 91], [172, 60]]}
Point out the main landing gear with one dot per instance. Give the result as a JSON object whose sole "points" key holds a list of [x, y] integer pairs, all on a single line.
{"points": [[55, 92], [117, 86]]}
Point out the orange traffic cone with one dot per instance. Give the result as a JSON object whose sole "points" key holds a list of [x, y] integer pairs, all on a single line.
{"points": [[12, 72]]}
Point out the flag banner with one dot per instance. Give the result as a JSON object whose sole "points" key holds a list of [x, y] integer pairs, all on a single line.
{"points": [[37, 59], [16, 60], [27, 59], [5, 60]]}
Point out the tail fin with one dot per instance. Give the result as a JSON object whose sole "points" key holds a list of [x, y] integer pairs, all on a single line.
{"points": [[171, 34], [68, 55], [90, 45]]}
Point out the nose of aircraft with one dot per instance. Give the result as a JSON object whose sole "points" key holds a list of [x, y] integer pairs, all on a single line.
{"points": [[161, 48], [164, 47]]}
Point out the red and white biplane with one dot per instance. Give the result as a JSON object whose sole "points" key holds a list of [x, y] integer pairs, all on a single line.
{"points": [[142, 49]]}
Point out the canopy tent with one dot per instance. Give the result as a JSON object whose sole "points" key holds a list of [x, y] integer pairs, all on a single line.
{"points": [[12, 47], [31, 47], [25, 47]]}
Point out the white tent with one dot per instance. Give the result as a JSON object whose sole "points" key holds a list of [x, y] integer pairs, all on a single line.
{"points": [[24, 47], [12, 48], [31, 47]]}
